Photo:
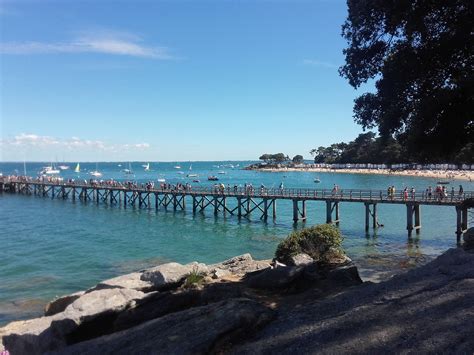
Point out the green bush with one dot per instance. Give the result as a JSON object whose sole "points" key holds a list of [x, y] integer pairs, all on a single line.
{"points": [[194, 278], [322, 242]]}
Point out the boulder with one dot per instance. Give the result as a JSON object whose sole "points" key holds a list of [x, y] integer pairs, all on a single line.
{"points": [[346, 274], [219, 273], [241, 264], [300, 259], [198, 330], [130, 281], [170, 275], [156, 304], [59, 304], [274, 278], [468, 238], [88, 316]]}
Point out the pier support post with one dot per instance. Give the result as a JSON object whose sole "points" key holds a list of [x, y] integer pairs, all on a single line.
{"points": [[458, 223], [336, 207], [328, 212], [295, 211], [194, 204], [216, 209], [73, 193], [464, 220], [156, 201], [417, 218], [303, 213], [367, 216], [239, 207], [265, 209], [374, 216], [409, 219], [274, 210], [124, 199]]}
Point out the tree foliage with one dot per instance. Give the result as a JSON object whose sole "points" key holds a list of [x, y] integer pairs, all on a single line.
{"points": [[421, 55], [297, 159], [274, 158]]}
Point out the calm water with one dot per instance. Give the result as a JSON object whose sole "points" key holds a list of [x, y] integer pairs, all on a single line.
{"points": [[54, 247]]}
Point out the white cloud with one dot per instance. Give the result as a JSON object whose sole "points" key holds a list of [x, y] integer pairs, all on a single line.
{"points": [[105, 42], [25, 140], [319, 63]]}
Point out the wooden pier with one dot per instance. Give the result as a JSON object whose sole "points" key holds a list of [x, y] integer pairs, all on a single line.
{"points": [[242, 202]]}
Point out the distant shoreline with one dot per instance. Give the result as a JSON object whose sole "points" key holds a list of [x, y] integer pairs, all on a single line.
{"points": [[441, 175]]}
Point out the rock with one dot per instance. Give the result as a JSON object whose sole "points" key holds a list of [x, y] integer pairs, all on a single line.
{"points": [[241, 264], [60, 304], [468, 238], [130, 281], [274, 278], [198, 331], [170, 275], [88, 316], [159, 304], [219, 273], [346, 274], [301, 259]]}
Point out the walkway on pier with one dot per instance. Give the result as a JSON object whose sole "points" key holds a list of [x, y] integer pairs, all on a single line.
{"points": [[248, 199]]}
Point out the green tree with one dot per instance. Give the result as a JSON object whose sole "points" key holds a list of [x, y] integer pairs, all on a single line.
{"points": [[298, 159], [421, 56], [265, 157]]}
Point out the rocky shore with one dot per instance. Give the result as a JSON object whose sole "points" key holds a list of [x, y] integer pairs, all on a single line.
{"points": [[247, 306]]}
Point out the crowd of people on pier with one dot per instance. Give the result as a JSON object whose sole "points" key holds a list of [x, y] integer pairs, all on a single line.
{"points": [[438, 193]]}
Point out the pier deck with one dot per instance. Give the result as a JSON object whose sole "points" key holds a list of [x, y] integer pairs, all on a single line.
{"points": [[248, 200]]}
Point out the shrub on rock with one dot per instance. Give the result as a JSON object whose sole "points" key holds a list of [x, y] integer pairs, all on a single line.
{"points": [[322, 242]]}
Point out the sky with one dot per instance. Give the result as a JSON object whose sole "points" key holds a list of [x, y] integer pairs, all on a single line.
{"points": [[171, 80]]}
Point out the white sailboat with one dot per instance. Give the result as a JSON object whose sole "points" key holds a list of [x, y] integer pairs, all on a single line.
{"points": [[77, 169], [63, 167], [50, 170], [128, 171], [96, 172], [177, 167], [146, 166]]}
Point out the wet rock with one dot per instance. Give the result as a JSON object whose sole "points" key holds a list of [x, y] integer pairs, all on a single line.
{"points": [[274, 278], [58, 305], [468, 238], [241, 264], [170, 275], [300, 259], [198, 331]]}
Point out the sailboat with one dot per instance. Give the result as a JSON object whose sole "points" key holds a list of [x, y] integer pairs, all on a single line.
{"points": [[77, 169], [146, 166], [50, 170], [96, 172], [63, 167], [129, 170]]}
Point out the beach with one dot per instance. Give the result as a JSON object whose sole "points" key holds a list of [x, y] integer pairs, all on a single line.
{"points": [[441, 175]]}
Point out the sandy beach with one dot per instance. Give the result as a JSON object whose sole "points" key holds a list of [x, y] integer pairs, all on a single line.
{"points": [[442, 175]]}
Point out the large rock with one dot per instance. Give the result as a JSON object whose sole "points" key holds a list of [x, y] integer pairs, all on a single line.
{"points": [[131, 281], [199, 330], [344, 275], [241, 264], [300, 259], [59, 304], [157, 304], [279, 277], [468, 238], [170, 275], [88, 316]]}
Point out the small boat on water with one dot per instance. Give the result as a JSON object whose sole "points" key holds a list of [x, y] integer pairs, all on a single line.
{"points": [[77, 169], [191, 175], [96, 172], [222, 172], [317, 181], [177, 167], [128, 171], [50, 170], [63, 167], [146, 166], [443, 182], [196, 181], [180, 172], [213, 178]]}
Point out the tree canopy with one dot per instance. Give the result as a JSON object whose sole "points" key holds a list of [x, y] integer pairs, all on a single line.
{"points": [[297, 159], [421, 55], [274, 158]]}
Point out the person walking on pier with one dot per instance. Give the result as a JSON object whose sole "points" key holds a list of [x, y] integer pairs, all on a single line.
{"points": [[405, 193], [461, 192]]}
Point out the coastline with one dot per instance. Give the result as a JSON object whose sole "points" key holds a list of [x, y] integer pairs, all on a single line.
{"points": [[453, 175]]}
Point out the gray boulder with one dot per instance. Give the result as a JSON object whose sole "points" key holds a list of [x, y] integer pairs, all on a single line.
{"points": [[300, 259], [131, 281], [170, 275], [198, 330], [468, 238], [274, 278], [59, 304], [87, 316], [241, 264]]}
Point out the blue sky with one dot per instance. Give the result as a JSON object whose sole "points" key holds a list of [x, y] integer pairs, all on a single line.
{"points": [[171, 80]]}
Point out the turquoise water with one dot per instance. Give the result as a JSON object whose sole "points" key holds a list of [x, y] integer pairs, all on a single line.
{"points": [[54, 247]]}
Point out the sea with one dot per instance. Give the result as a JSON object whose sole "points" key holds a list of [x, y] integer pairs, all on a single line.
{"points": [[52, 247]]}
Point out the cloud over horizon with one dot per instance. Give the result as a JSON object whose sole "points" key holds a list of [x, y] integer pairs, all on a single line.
{"points": [[102, 42]]}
